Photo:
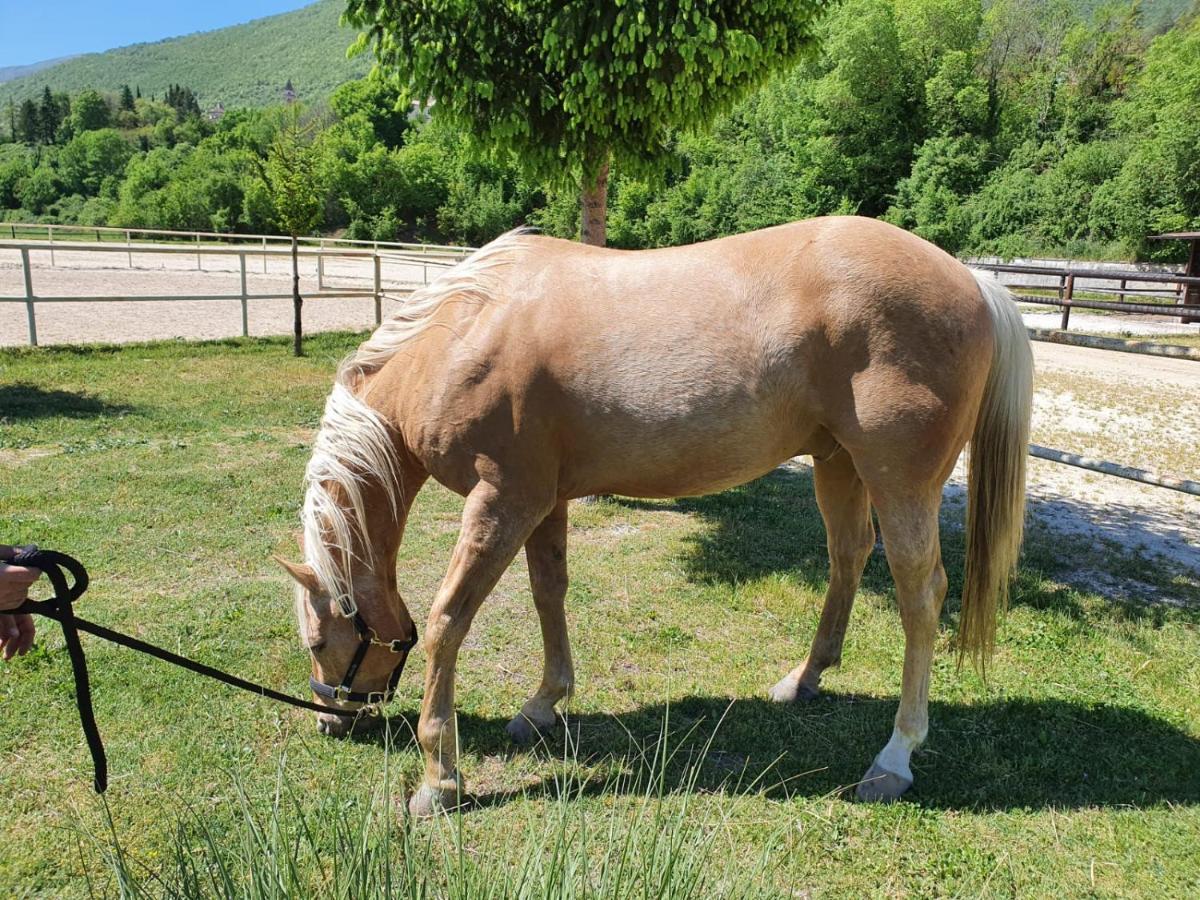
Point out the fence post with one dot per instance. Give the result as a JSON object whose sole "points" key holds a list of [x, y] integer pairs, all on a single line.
{"points": [[197, 252], [378, 293], [50, 235], [27, 271], [245, 303], [264, 254], [1069, 292], [1121, 295], [321, 267], [128, 248]]}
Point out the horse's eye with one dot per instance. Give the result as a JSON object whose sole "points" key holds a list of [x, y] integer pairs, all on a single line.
{"points": [[317, 647]]}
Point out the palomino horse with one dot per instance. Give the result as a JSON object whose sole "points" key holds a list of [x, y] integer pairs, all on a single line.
{"points": [[540, 370]]}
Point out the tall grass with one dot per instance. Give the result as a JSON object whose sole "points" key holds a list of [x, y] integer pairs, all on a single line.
{"points": [[592, 829]]}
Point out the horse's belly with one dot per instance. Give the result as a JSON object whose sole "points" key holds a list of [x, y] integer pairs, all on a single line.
{"points": [[692, 454]]}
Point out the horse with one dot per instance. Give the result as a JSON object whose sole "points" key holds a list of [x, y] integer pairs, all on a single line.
{"points": [[541, 370]]}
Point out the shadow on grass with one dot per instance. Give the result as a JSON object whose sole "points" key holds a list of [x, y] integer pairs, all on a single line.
{"points": [[772, 525], [1007, 754], [23, 400]]}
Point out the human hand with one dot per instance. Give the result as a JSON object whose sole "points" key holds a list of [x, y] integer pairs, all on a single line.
{"points": [[16, 631], [16, 635]]}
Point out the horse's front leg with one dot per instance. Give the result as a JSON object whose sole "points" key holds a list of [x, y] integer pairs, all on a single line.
{"points": [[492, 532], [546, 553]]}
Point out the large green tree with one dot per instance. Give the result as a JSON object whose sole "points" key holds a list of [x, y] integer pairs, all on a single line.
{"points": [[89, 112], [569, 87]]}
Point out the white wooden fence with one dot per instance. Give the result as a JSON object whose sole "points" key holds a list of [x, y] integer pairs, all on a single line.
{"points": [[429, 257]]}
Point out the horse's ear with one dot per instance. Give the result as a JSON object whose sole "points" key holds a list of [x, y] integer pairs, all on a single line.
{"points": [[303, 574]]}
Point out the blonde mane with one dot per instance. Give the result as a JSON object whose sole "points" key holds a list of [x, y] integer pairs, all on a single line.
{"points": [[355, 446]]}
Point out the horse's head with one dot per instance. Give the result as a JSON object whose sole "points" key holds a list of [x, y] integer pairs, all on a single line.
{"points": [[359, 641], [352, 618]]}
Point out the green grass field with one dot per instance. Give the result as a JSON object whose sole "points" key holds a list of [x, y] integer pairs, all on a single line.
{"points": [[173, 470]]}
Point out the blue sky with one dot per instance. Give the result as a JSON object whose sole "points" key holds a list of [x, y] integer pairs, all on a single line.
{"points": [[33, 30]]}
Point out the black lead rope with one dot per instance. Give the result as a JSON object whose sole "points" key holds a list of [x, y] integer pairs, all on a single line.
{"points": [[59, 607]]}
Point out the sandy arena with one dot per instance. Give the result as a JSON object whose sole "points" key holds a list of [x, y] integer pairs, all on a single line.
{"points": [[1131, 409]]}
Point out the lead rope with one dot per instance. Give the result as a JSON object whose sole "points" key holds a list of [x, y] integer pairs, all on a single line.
{"points": [[59, 607]]}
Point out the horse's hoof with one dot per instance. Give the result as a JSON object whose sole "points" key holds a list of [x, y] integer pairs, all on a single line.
{"points": [[881, 786], [427, 801], [524, 730], [789, 691]]}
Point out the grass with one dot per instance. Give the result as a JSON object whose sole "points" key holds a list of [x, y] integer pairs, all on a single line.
{"points": [[173, 471]]}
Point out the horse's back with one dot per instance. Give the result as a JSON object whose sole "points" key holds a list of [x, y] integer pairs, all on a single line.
{"points": [[688, 369]]}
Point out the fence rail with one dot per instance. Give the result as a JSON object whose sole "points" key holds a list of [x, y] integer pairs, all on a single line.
{"points": [[396, 253], [1184, 293], [227, 237]]}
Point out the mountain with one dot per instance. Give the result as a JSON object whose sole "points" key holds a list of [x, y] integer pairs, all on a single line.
{"points": [[243, 65], [8, 73]]}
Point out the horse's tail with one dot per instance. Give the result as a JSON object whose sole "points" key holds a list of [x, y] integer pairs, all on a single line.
{"points": [[996, 475]]}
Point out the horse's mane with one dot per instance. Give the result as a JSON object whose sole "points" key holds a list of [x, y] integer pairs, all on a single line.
{"points": [[355, 446]]}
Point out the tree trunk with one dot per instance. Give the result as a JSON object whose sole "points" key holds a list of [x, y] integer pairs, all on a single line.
{"points": [[594, 202], [297, 302], [595, 205]]}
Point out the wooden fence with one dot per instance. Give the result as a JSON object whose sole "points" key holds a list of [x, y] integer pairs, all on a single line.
{"points": [[1069, 287]]}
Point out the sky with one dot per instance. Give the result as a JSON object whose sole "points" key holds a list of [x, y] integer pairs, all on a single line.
{"points": [[33, 30]]}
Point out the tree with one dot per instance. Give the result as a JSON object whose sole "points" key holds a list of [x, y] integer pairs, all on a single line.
{"points": [[292, 178], [49, 117], [126, 98], [89, 112], [28, 129], [91, 157], [183, 101], [569, 87]]}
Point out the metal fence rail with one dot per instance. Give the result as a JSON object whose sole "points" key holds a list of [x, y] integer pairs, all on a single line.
{"points": [[100, 232], [30, 298]]}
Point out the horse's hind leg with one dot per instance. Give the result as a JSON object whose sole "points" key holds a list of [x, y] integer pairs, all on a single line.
{"points": [[492, 532], [850, 537], [909, 523], [546, 553]]}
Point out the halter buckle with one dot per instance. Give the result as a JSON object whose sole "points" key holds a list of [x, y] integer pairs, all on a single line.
{"points": [[341, 693]]}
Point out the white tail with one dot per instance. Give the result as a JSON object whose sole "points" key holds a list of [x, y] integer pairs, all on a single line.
{"points": [[996, 474]]}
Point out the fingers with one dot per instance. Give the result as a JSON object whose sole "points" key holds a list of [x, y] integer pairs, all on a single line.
{"points": [[16, 635], [14, 584]]}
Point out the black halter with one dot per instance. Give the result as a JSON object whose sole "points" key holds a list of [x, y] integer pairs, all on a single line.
{"points": [[366, 638]]}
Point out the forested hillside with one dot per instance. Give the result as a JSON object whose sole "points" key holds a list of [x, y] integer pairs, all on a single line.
{"points": [[245, 65], [9, 73], [1022, 128]]}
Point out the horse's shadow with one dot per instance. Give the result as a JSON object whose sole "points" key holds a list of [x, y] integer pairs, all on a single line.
{"points": [[1003, 754], [772, 525], [1010, 753]]}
